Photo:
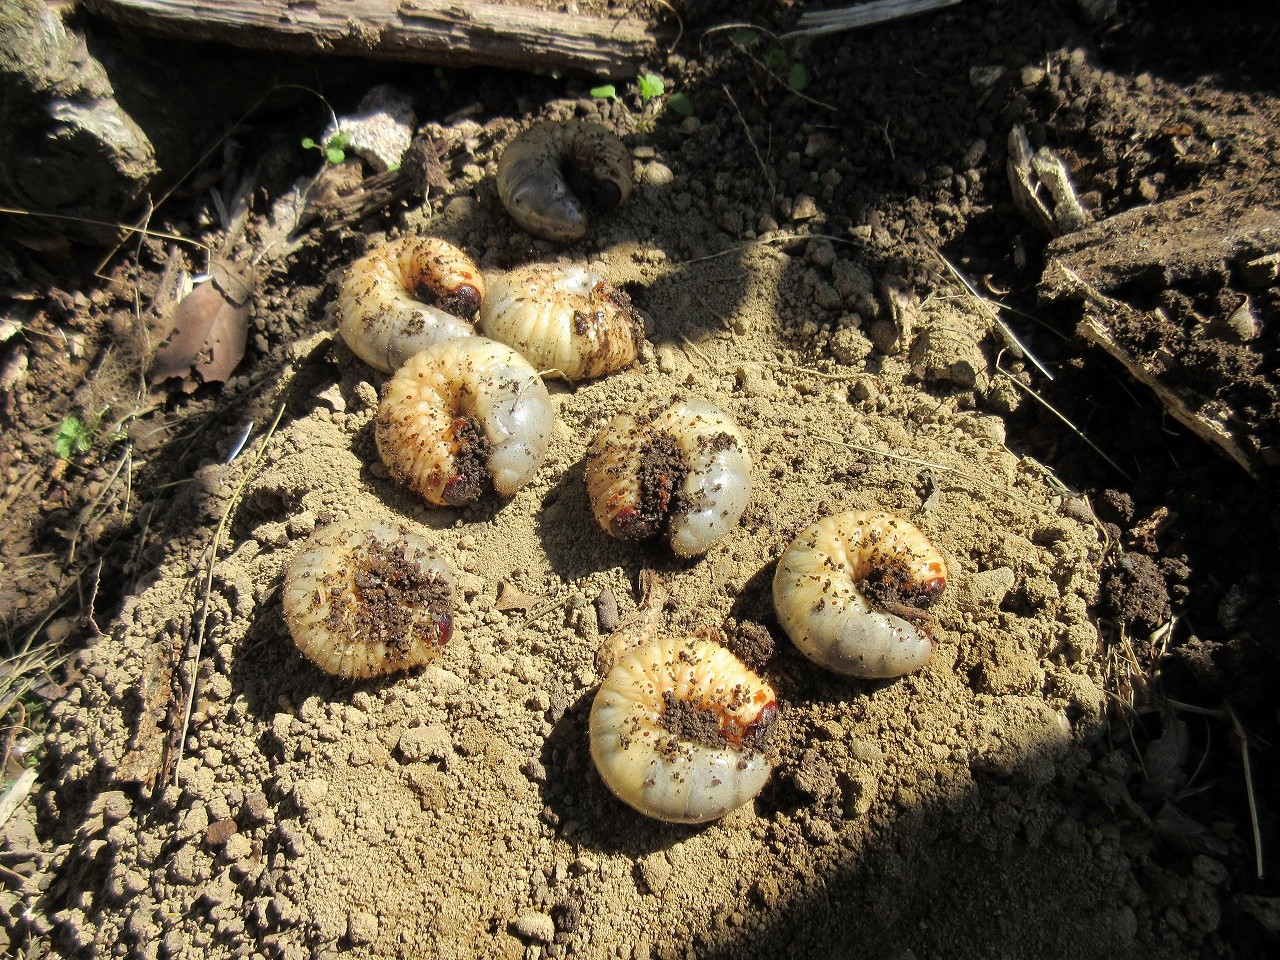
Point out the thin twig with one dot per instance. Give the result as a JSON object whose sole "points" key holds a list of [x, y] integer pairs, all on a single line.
{"points": [[679, 24], [973, 478], [198, 642], [813, 23], [750, 139], [765, 241], [545, 609], [159, 234]]}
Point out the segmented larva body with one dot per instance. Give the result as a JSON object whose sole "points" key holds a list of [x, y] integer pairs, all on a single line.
{"points": [[553, 173], [684, 468], [821, 587], [679, 729], [567, 321], [366, 598], [462, 418], [405, 296]]}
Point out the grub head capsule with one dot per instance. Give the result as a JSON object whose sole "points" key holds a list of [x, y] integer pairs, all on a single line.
{"points": [[551, 176]]}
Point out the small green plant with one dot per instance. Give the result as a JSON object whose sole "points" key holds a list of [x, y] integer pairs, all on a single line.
{"points": [[77, 435], [334, 150], [606, 91], [681, 104], [775, 61], [74, 437], [651, 86]]}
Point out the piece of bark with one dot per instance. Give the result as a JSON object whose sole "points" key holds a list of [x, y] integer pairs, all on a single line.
{"points": [[67, 148], [1122, 272], [451, 33]]}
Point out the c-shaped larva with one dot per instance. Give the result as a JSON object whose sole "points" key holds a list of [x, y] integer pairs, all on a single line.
{"points": [[553, 172], [463, 417], [830, 574], [567, 321], [405, 296], [684, 467], [366, 598], [679, 729]]}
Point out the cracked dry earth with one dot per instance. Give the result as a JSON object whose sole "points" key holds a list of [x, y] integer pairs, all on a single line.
{"points": [[785, 257]]}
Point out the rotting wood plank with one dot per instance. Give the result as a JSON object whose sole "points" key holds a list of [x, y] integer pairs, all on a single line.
{"points": [[451, 33]]}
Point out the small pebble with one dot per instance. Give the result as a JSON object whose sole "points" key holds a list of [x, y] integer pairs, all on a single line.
{"points": [[536, 927]]}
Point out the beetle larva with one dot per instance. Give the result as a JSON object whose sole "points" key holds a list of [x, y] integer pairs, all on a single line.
{"points": [[828, 578], [366, 598], [567, 321], [684, 468], [553, 173], [461, 418], [679, 729], [405, 296]]}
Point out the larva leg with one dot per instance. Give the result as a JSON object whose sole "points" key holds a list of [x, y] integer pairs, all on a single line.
{"points": [[834, 581]]}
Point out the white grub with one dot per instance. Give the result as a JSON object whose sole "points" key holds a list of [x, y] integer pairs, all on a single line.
{"points": [[366, 598], [821, 586], [407, 295], [679, 730], [552, 174], [566, 320], [683, 468], [462, 418]]}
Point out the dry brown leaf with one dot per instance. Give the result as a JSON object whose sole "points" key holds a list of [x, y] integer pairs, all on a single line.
{"points": [[208, 329], [511, 597]]}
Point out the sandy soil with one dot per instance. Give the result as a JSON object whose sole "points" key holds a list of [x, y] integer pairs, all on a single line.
{"points": [[786, 253]]}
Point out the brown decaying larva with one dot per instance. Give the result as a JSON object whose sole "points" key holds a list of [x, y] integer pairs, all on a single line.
{"points": [[366, 598], [679, 729], [552, 174], [684, 468], [461, 418], [566, 320], [825, 584], [405, 296]]}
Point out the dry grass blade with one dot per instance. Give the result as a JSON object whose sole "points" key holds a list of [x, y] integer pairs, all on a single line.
{"points": [[1243, 739], [988, 307], [813, 23], [1063, 417], [913, 461]]}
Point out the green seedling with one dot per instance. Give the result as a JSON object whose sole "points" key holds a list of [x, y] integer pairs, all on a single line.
{"points": [[797, 78], [651, 86], [74, 437], [606, 91], [681, 104], [794, 74], [335, 150]]}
